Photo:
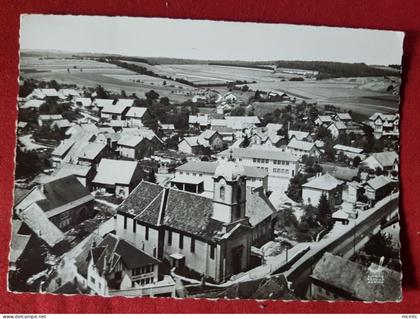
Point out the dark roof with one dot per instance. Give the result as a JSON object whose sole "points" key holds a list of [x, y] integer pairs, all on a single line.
{"points": [[183, 211], [113, 249], [69, 288], [258, 206], [62, 191], [19, 194], [339, 172], [358, 281], [191, 213], [140, 198]]}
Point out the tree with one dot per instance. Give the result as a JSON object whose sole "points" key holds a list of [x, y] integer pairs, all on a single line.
{"points": [[164, 100], [27, 163], [294, 191], [324, 211], [238, 111], [245, 143], [123, 94], [356, 161], [151, 95], [101, 93], [245, 88], [380, 245]]}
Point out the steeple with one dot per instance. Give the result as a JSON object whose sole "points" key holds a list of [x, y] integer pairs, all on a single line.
{"points": [[229, 194]]}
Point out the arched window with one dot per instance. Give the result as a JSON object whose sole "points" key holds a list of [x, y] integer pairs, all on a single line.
{"points": [[222, 192]]}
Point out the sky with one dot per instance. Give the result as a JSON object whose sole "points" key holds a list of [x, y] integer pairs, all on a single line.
{"points": [[208, 40]]}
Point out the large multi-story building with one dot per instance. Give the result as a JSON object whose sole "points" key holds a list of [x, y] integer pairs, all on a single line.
{"points": [[211, 236], [280, 165]]}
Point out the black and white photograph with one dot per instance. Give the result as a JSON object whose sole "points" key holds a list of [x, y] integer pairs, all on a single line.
{"points": [[181, 158]]}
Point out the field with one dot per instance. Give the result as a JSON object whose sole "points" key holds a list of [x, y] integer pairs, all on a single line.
{"points": [[364, 95]]}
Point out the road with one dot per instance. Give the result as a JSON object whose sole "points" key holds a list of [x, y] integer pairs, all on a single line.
{"points": [[341, 240]]}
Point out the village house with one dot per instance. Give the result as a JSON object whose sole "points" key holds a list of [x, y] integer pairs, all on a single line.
{"points": [[61, 125], [191, 175], [32, 104], [378, 188], [229, 97], [385, 124], [280, 165], [261, 213], [276, 96], [298, 135], [115, 264], [342, 117], [199, 121], [210, 236], [42, 94], [92, 153], [83, 173], [357, 282], [64, 201], [302, 148], [197, 145], [323, 120], [322, 185], [337, 128], [223, 108], [351, 194], [117, 177], [134, 147], [84, 102], [138, 116], [114, 112], [350, 152], [48, 119], [343, 173], [68, 94], [386, 161]]}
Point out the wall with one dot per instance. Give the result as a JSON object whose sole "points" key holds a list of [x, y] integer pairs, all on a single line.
{"points": [[137, 238]]}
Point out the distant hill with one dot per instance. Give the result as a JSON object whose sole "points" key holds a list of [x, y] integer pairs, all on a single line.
{"points": [[326, 69]]}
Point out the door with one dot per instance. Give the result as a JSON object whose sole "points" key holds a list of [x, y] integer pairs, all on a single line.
{"points": [[236, 254]]}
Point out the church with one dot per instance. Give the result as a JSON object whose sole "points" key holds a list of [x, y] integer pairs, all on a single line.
{"points": [[211, 236]]}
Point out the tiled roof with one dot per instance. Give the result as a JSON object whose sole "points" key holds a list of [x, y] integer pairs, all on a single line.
{"points": [[339, 172], [346, 148], [344, 116], [386, 158], [356, 279], [38, 222], [114, 109], [91, 150], [339, 125], [32, 104], [183, 211], [258, 207], [112, 172], [136, 112], [378, 182], [130, 140], [301, 145], [324, 182], [62, 191], [325, 118], [112, 249], [258, 153], [210, 167], [299, 135]]}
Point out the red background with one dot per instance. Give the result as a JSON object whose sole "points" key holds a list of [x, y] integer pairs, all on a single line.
{"points": [[383, 14]]}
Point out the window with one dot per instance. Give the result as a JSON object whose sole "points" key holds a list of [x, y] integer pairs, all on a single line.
{"points": [[222, 192], [169, 238], [92, 280], [125, 222], [181, 241], [136, 271], [147, 233], [99, 285], [134, 225], [212, 251], [154, 252], [192, 248]]}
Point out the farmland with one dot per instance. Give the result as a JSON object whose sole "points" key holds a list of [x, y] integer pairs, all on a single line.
{"points": [[361, 94]]}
